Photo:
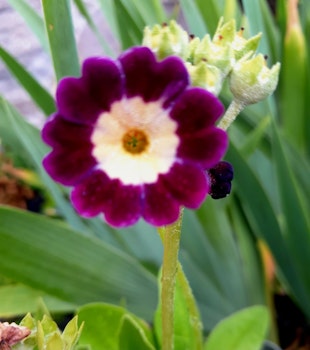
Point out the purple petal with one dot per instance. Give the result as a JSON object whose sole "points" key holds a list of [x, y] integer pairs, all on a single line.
{"points": [[125, 207], [159, 207], [104, 81], [206, 147], [63, 133], [195, 110], [70, 166], [97, 193], [75, 103], [93, 193], [151, 79], [82, 99], [187, 184]]}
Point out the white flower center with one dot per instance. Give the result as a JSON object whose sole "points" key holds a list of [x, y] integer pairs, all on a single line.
{"points": [[135, 141]]}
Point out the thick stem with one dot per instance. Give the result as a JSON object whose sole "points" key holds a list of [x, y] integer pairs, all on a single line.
{"points": [[170, 236], [233, 110]]}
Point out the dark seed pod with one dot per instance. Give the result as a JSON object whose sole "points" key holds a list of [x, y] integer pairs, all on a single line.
{"points": [[221, 176]]}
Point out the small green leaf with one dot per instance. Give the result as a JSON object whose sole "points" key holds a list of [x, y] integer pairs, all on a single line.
{"points": [[244, 330], [60, 32], [133, 336]]}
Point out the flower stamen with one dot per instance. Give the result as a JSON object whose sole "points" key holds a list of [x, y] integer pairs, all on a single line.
{"points": [[135, 141]]}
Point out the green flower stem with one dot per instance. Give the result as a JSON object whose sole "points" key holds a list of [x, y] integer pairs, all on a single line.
{"points": [[233, 110], [170, 236]]}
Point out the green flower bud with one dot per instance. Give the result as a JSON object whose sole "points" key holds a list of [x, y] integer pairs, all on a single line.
{"points": [[166, 40], [206, 76], [252, 81]]}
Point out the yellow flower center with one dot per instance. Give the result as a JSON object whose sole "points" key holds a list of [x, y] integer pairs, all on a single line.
{"points": [[135, 141]]}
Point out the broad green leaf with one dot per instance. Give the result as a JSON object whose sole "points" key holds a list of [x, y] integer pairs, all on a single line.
{"points": [[80, 269], [32, 19], [18, 299], [113, 327], [60, 33], [38, 93], [187, 323], [101, 324], [244, 330], [133, 336]]}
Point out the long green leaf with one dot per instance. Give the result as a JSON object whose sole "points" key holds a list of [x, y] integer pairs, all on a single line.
{"points": [[263, 219], [193, 17], [295, 214], [46, 254], [60, 32], [32, 19], [38, 93]]}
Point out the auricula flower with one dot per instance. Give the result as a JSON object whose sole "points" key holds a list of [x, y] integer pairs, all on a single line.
{"points": [[134, 139]]}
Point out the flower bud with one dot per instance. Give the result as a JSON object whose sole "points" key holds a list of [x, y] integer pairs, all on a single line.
{"points": [[252, 81], [166, 40], [206, 76]]}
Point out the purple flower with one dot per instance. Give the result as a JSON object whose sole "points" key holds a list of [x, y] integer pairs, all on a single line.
{"points": [[133, 139]]}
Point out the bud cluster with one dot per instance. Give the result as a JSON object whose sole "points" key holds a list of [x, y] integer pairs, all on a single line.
{"points": [[211, 60]]}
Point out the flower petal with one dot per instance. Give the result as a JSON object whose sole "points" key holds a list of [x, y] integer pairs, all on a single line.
{"points": [[82, 99], [159, 207], [97, 193], [59, 132], [187, 184], [151, 79], [196, 110], [104, 81], [69, 166], [205, 147], [125, 207], [93, 193]]}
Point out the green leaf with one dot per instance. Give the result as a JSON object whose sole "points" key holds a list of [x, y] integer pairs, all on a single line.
{"points": [[244, 330], [38, 93], [32, 19], [263, 220], [101, 324], [60, 33], [293, 87], [18, 299], [187, 323], [80, 269], [133, 336], [295, 214], [112, 327], [193, 17]]}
